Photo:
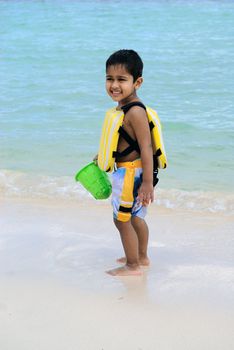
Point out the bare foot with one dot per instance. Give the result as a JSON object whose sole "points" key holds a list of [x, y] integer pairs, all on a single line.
{"points": [[122, 260], [143, 261], [125, 271]]}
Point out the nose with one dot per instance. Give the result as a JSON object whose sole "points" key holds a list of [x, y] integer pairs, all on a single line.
{"points": [[114, 84]]}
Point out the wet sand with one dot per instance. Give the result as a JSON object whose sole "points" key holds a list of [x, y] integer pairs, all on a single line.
{"points": [[55, 293]]}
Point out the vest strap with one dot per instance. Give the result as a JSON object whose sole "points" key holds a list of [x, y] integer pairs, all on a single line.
{"points": [[124, 209], [132, 104], [133, 144]]}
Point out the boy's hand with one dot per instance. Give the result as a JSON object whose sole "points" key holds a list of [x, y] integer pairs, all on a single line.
{"points": [[95, 159], [145, 193]]}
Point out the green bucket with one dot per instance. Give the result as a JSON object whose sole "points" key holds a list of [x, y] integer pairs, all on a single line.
{"points": [[95, 181]]}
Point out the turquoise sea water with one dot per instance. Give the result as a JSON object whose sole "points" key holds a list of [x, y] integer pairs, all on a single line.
{"points": [[53, 100]]}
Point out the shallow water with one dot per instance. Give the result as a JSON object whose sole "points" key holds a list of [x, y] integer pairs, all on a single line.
{"points": [[53, 98]]}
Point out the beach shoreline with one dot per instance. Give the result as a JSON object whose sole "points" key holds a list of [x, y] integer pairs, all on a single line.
{"points": [[56, 241]]}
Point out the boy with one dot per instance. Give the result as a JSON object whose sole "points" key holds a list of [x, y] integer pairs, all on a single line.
{"points": [[132, 187]]}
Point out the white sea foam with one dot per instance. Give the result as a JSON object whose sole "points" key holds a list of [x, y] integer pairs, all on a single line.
{"points": [[16, 184]]}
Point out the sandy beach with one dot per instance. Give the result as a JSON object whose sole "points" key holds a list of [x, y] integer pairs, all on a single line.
{"points": [[56, 242], [55, 293]]}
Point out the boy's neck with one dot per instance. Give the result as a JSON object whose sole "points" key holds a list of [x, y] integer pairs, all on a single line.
{"points": [[129, 99]]}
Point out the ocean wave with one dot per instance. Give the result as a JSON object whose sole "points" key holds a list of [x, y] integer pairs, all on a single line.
{"points": [[22, 185]]}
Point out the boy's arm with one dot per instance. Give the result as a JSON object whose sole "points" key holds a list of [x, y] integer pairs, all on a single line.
{"points": [[139, 122]]}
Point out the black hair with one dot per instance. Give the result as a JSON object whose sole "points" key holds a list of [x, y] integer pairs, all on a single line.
{"points": [[129, 59]]}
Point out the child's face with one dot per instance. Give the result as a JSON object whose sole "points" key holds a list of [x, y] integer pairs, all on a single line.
{"points": [[119, 84]]}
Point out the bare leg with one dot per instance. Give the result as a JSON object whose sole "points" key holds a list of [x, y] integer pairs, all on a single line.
{"points": [[142, 232], [131, 248]]}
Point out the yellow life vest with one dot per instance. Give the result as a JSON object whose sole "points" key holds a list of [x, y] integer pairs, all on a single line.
{"points": [[110, 137]]}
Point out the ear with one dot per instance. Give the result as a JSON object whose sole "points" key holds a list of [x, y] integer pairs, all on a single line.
{"points": [[138, 82]]}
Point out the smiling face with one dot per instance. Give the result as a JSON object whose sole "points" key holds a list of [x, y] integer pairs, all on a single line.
{"points": [[120, 85]]}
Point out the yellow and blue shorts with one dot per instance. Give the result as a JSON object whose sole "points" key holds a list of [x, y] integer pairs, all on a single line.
{"points": [[126, 181]]}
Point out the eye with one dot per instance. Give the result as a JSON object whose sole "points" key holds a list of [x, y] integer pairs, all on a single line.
{"points": [[109, 78]]}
